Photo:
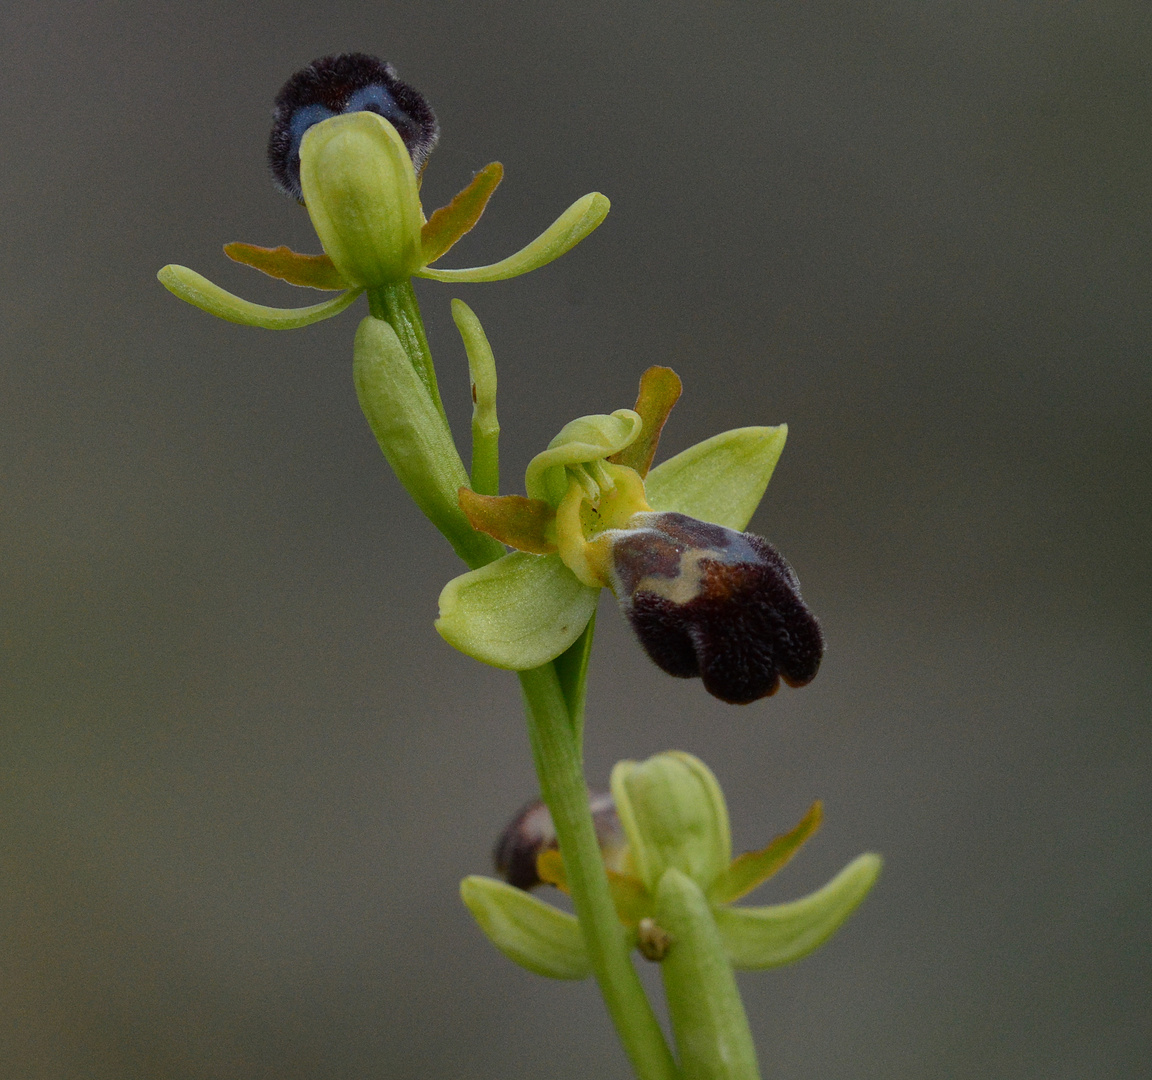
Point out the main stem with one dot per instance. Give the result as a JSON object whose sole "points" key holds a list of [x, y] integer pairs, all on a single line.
{"points": [[556, 751], [555, 720]]}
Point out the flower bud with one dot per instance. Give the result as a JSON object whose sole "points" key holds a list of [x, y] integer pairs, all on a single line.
{"points": [[711, 602], [531, 832], [349, 83]]}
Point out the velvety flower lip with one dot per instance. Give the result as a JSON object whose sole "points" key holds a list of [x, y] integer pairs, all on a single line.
{"points": [[711, 602], [531, 832], [351, 82]]}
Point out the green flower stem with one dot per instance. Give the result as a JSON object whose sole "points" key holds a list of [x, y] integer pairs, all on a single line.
{"points": [[414, 434], [708, 1017], [559, 766], [396, 304]]}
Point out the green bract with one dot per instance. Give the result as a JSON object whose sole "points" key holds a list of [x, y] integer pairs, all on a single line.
{"points": [[361, 193], [720, 480], [679, 845]]}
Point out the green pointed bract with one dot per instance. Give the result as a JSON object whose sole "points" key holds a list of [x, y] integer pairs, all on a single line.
{"points": [[485, 425], [529, 932], [202, 293], [414, 436], [518, 612], [360, 190], [589, 438], [720, 480], [562, 235], [766, 937], [704, 1003], [674, 815]]}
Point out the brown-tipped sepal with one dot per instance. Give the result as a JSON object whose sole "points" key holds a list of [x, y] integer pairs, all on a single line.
{"points": [[711, 602]]}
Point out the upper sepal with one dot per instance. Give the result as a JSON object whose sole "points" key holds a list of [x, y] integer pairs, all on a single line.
{"points": [[360, 190], [765, 937], [587, 439], [674, 815]]}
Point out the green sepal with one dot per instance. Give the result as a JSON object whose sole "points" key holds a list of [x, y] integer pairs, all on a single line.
{"points": [[518, 612], [674, 815], [451, 222], [751, 869], [720, 480], [202, 293], [360, 190], [562, 235], [588, 438], [704, 1005], [528, 931], [414, 436], [767, 937]]}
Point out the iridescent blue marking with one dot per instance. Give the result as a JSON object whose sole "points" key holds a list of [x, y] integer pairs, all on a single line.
{"points": [[302, 119], [378, 99]]}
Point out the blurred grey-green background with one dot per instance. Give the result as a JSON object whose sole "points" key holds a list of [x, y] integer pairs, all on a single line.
{"points": [[241, 774]]}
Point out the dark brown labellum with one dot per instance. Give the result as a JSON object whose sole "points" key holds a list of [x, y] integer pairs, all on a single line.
{"points": [[715, 603], [531, 831], [352, 82]]}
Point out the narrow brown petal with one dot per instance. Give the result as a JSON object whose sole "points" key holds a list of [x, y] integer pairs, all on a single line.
{"points": [[660, 389], [312, 271], [512, 519], [754, 867], [451, 222]]}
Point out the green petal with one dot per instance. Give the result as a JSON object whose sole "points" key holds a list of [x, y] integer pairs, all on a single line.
{"points": [[765, 937], [529, 932], [720, 480], [202, 293], [563, 234], [518, 612]]}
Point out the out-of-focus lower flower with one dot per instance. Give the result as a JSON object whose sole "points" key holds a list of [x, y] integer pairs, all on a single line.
{"points": [[670, 817]]}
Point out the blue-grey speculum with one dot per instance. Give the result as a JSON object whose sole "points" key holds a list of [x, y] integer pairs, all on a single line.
{"points": [[351, 82]]}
